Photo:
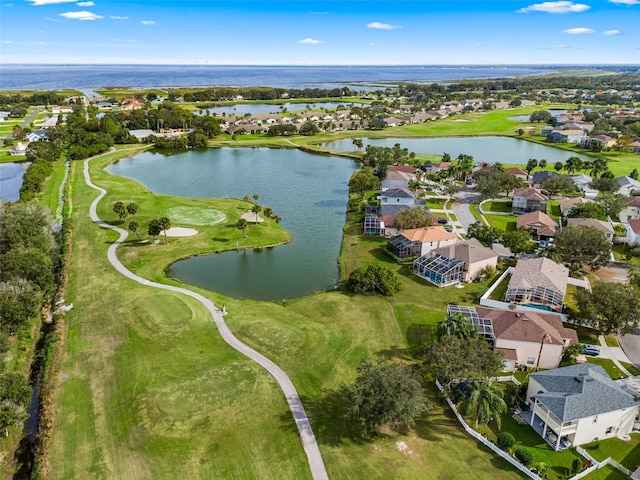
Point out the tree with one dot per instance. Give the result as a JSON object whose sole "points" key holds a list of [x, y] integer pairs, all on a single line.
{"points": [[524, 456], [624, 144], [154, 228], [505, 441], [132, 209], [484, 402], [610, 307], [605, 185], [241, 224], [542, 163], [373, 279], [598, 167], [31, 264], [120, 210], [255, 197], [363, 180], [458, 325], [256, 209], [165, 224], [518, 241], [586, 210], [612, 204], [134, 226], [558, 166], [452, 359], [309, 128], [20, 301], [570, 355], [15, 394], [573, 164], [357, 142], [414, 217], [634, 174], [486, 235], [384, 394], [558, 183], [582, 245], [532, 163], [541, 116], [25, 225]]}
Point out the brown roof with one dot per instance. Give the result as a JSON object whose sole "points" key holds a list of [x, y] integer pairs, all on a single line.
{"points": [[541, 221], [635, 225], [515, 171], [568, 203], [633, 202], [508, 353], [388, 220], [402, 168], [427, 234], [539, 272], [530, 193], [527, 326], [469, 251], [591, 222]]}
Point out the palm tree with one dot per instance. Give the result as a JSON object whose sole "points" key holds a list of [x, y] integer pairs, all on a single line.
{"points": [[558, 166], [165, 224], [256, 209], [132, 209], [255, 197], [242, 225], [484, 403], [542, 163], [268, 212]]}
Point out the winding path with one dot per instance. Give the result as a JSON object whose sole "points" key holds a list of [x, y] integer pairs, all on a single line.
{"points": [[307, 437]]}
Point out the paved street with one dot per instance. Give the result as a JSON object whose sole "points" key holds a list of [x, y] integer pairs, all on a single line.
{"points": [[24, 123], [461, 206]]}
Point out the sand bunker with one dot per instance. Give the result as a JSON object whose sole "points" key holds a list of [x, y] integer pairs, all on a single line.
{"points": [[180, 232]]}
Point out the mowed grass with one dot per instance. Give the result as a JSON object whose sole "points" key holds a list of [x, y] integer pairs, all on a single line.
{"points": [[148, 389]]}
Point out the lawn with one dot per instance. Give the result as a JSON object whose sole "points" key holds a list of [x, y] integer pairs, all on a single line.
{"points": [[502, 222], [610, 367], [497, 206], [625, 452], [436, 203], [148, 388], [501, 290]]}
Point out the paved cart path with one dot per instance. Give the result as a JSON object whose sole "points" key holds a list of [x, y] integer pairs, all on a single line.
{"points": [[307, 437]]}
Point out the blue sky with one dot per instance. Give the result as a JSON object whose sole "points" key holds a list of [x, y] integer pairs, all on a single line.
{"points": [[365, 32]]}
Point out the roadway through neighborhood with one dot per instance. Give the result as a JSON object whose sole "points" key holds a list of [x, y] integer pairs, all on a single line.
{"points": [[307, 437], [24, 123]]}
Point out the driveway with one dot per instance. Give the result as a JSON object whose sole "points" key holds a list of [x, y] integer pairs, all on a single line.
{"points": [[460, 208]]}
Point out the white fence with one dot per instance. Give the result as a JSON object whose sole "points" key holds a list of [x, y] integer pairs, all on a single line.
{"points": [[508, 378], [597, 465], [487, 443]]}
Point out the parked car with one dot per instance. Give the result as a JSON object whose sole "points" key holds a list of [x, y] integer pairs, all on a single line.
{"points": [[448, 228], [590, 349], [442, 220]]}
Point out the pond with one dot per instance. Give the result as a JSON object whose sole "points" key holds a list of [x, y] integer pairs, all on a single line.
{"points": [[308, 191], [11, 175], [505, 150], [242, 109]]}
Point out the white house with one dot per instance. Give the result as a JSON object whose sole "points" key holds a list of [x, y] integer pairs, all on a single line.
{"points": [[419, 241], [579, 404], [583, 181], [18, 149], [604, 227], [631, 211], [627, 186]]}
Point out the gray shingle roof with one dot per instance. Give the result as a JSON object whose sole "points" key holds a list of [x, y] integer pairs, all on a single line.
{"points": [[469, 252], [539, 272], [581, 391]]}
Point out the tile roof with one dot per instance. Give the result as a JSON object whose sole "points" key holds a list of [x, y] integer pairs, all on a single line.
{"points": [[543, 222], [568, 203], [527, 326], [469, 251], [402, 168], [540, 272], [635, 225], [581, 391], [515, 171], [530, 193], [427, 234], [633, 202], [591, 222]]}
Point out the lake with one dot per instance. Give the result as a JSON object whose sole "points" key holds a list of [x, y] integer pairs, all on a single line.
{"points": [[11, 180], [308, 191], [258, 108], [505, 150]]}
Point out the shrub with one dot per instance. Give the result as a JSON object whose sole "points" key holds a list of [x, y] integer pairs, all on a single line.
{"points": [[373, 279], [541, 469], [505, 441], [576, 466], [524, 456]]}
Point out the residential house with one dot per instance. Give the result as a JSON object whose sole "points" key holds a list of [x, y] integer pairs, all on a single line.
{"points": [[393, 121], [627, 186], [518, 172], [538, 177], [599, 142], [631, 211], [583, 183], [538, 283], [129, 104], [529, 199], [36, 135], [579, 125], [18, 149], [402, 168], [541, 226], [395, 199], [415, 242], [373, 226], [566, 204], [142, 133], [546, 130], [397, 179], [457, 263], [580, 404], [633, 231], [526, 339], [566, 136], [604, 227]]}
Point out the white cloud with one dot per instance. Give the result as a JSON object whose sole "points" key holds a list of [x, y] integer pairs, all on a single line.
{"points": [[626, 2], [381, 26], [49, 2], [115, 17], [310, 41], [85, 4], [611, 32], [148, 22], [578, 31], [8, 5], [556, 7], [554, 47], [6, 42], [81, 15]]}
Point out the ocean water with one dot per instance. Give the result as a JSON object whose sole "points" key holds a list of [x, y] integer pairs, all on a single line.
{"points": [[43, 77]]}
